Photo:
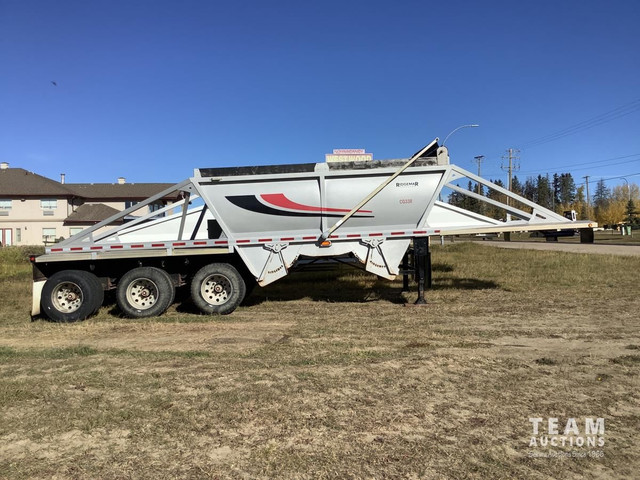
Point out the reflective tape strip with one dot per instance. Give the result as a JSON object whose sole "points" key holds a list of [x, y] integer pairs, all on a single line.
{"points": [[242, 241]]}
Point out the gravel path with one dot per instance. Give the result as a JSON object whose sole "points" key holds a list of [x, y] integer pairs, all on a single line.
{"points": [[631, 250]]}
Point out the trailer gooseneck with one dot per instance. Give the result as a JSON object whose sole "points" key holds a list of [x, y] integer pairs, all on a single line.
{"points": [[254, 224]]}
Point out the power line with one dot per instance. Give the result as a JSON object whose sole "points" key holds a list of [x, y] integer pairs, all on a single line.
{"points": [[600, 162], [606, 117]]}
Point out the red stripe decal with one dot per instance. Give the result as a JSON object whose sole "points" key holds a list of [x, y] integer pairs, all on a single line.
{"points": [[334, 236], [309, 238], [280, 200], [243, 241], [397, 233], [353, 235]]}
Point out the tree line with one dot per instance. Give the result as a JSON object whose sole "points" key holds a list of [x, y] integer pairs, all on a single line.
{"points": [[607, 206]]}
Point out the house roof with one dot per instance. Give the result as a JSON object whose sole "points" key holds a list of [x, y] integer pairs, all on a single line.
{"points": [[17, 182], [89, 213], [118, 191]]}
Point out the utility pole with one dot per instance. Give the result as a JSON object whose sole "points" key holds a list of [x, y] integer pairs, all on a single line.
{"points": [[478, 159], [512, 154], [586, 182]]}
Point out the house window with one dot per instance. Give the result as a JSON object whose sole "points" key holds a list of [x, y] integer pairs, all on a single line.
{"points": [[5, 204], [48, 235], [154, 207], [75, 230], [48, 203], [129, 204], [18, 235]]}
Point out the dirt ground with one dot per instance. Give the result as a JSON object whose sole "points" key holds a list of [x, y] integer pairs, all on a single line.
{"points": [[329, 375]]}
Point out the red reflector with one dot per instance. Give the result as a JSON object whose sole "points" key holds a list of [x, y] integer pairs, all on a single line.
{"points": [[56, 249], [32, 258], [157, 244], [420, 232], [116, 246], [375, 234], [353, 235], [221, 242], [199, 243], [287, 239], [436, 231], [96, 248], [397, 233], [137, 246], [76, 249], [179, 244], [308, 238], [243, 241], [265, 240]]}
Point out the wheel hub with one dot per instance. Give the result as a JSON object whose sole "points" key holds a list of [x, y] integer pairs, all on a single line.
{"points": [[67, 297], [142, 293], [216, 289]]}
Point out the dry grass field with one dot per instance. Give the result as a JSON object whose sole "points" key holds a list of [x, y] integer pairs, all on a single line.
{"points": [[328, 375]]}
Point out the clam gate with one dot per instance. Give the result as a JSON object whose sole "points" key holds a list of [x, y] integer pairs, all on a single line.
{"points": [[233, 228]]}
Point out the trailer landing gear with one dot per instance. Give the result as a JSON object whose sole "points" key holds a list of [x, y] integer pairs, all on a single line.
{"points": [[421, 263]]}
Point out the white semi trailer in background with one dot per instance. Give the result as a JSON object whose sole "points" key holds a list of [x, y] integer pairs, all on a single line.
{"points": [[254, 224]]}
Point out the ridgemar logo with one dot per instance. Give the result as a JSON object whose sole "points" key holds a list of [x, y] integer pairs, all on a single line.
{"points": [[407, 184], [588, 432]]}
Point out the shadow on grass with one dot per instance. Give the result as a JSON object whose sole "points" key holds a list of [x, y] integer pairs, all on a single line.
{"points": [[338, 284], [355, 288]]}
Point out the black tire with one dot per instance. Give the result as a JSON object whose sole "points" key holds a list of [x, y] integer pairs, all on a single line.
{"points": [[145, 292], [71, 296], [250, 285], [217, 288]]}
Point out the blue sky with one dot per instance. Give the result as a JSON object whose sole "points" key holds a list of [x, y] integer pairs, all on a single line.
{"points": [[149, 90]]}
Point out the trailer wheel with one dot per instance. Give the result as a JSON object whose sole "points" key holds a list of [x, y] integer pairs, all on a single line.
{"points": [[217, 288], [145, 292], [71, 295]]}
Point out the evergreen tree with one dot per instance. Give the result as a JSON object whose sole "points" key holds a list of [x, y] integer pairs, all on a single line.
{"points": [[602, 195], [543, 192]]}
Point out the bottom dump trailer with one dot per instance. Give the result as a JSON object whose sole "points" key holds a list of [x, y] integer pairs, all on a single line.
{"points": [[234, 227]]}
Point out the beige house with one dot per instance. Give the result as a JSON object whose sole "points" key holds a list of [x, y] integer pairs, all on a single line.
{"points": [[35, 210]]}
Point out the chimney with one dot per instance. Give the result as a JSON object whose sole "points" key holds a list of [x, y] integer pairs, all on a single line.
{"points": [[122, 180], [62, 175], [4, 165]]}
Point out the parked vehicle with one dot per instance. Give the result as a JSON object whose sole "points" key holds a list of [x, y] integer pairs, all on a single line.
{"points": [[254, 224]]}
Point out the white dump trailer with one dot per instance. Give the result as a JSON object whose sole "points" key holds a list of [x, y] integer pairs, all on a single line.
{"points": [[235, 227]]}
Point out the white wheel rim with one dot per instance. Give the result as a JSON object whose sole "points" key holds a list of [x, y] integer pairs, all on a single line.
{"points": [[142, 293], [216, 289], [67, 297]]}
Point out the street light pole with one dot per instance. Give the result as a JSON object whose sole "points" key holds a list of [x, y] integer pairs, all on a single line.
{"points": [[473, 125], [628, 188]]}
